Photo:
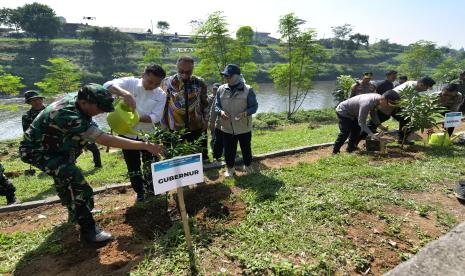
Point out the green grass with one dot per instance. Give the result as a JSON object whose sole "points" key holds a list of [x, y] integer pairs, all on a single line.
{"points": [[290, 137], [15, 247], [297, 217]]}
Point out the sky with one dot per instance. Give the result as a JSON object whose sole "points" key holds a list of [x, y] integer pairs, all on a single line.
{"points": [[400, 21]]}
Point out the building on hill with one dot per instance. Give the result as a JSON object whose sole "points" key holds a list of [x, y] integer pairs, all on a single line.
{"points": [[71, 30]]}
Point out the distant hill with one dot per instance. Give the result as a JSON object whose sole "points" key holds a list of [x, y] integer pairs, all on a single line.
{"points": [[23, 57]]}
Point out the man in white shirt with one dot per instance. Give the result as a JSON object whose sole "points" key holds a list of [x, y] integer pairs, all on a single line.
{"points": [[149, 102]]}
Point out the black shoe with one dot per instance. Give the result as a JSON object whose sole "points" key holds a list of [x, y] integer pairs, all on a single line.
{"points": [[10, 199], [98, 166], [95, 235], [459, 190]]}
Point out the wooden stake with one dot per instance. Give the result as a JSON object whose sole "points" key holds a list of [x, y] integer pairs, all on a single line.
{"points": [[185, 222]]}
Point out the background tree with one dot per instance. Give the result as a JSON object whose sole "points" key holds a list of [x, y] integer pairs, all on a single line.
{"points": [[163, 26], [62, 77], [359, 39], [417, 58], [341, 35], [9, 84], [39, 20], [343, 85], [448, 69], [241, 54], [304, 56], [244, 40], [213, 46], [110, 49], [10, 18]]}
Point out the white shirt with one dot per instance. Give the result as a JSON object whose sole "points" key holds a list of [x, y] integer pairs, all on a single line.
{"points": [[148, 102], [406, 84]]}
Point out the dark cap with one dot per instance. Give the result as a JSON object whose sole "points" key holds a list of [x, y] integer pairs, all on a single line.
{"points": [[97, 94], [31, 94], [231, 69], [391, 96]]}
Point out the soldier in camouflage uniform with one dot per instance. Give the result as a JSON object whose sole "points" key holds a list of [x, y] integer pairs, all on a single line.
{"points": [[6, 187], [37, 105], [55, 138]]}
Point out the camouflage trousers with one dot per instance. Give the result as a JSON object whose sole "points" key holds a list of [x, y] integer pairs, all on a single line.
{"points": [[70, 185]]}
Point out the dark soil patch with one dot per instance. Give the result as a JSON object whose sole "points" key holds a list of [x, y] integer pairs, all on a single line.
{"points": [[217, 202], [133, 228], [291, 160], [384, 249], [13, 174]]}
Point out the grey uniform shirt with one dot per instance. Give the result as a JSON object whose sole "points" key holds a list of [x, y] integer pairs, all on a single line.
{"points": [[358, 108]]}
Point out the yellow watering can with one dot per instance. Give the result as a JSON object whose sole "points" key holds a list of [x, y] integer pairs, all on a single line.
{"points": [[440, 139], [123, 119]]}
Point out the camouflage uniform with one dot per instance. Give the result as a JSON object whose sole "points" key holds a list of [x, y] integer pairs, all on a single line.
{"points": [[6, 187], [53, 142], [30, 115]]}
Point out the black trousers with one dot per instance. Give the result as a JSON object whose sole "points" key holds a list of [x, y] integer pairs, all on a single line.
{"points": [[193, 135], [348, 128], [383, 118], [96, 154], [230, 148], [138, 163], [217, 143]]}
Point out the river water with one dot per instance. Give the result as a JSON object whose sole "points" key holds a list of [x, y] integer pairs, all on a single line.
{"points": [[269, 100]]}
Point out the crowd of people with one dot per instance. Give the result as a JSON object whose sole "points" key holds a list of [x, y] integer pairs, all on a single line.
{"points": [[55, 135], [380, 101]]}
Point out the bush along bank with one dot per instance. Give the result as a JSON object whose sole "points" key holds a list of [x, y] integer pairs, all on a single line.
{"points": [[273, 119]]}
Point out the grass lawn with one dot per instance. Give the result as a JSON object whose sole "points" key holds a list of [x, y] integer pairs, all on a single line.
{"points": [[301, 219], [344, 214]]}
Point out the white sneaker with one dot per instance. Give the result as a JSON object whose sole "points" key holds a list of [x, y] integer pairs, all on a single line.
{"points": [[229, 172], [248, 169]]}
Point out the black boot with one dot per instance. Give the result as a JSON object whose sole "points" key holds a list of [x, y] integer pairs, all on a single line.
{"points": [[10, 199], [89, 231], [95, 235]]}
